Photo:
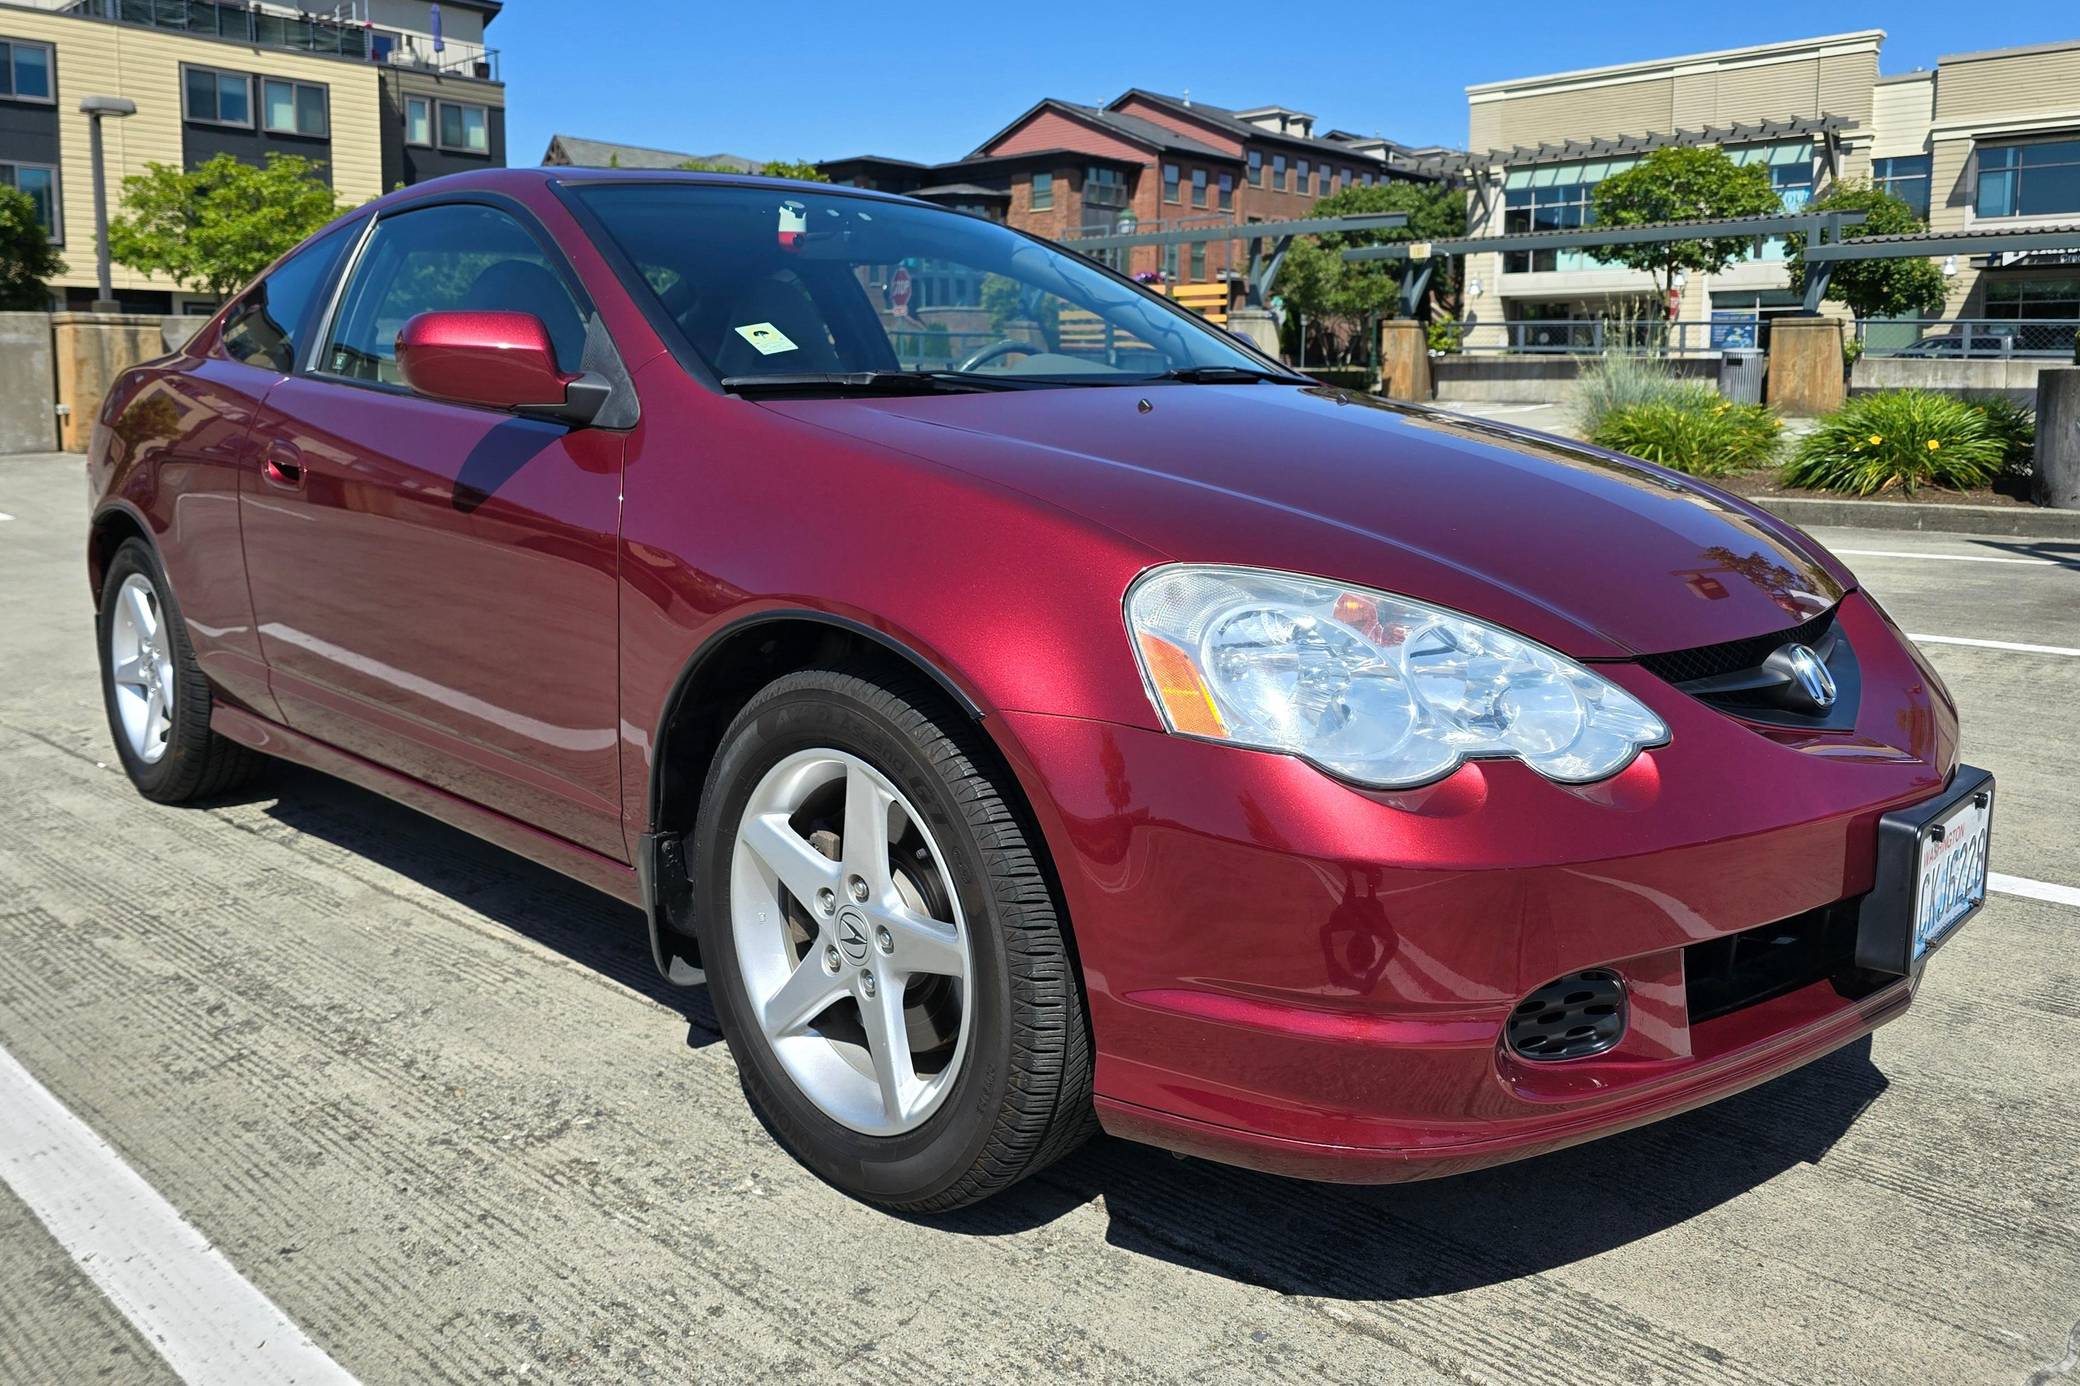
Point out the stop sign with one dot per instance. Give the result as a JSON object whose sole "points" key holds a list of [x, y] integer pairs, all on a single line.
{"points": [[899, 291]]}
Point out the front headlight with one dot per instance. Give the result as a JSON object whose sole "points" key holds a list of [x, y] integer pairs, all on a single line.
{"points": [[1376, 688]]}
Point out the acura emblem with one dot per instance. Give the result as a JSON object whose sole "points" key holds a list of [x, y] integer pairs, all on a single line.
{"points": [[852, 936], [1810, 676]]}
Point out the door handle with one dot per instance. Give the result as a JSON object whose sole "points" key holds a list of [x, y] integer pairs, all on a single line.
{"points": [[282, 468]]}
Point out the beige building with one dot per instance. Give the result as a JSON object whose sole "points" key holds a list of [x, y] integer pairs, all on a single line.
{"points": [[371, 100], [1985, 141]]}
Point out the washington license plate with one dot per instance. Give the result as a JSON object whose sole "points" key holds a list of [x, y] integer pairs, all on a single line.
{"points": [[1951, 878]]}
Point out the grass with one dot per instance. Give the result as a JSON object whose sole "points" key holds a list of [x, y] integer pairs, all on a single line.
{"points": [[1618, 381], [1901, 440], [1707, 437]]}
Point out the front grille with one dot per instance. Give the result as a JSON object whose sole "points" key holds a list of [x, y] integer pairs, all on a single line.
{"points": [[1730, 973], [1710, 661], [1570, 1017]]}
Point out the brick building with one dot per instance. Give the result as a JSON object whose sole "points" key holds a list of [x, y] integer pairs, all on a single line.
{"points": [[1063, 170]]}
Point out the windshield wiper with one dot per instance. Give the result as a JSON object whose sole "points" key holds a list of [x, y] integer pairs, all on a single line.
{"points": [[858, 382], [1228, 375]]}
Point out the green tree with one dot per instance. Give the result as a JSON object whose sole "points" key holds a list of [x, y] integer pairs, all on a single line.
{"points": [[1702, 184], [1345, 296], [26, 257], [1872, 288], [801, 170], [214, 228]]}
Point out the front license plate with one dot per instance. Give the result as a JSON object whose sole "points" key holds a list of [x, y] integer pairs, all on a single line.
{"points": [[1951, 877], [1930, 877]]}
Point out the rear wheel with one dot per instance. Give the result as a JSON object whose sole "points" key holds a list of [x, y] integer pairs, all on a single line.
{"points": [[157, 697], [882, 947]]}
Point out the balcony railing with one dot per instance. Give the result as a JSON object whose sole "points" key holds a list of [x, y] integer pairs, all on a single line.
{"points": [[1596, 336], [290, 31]]}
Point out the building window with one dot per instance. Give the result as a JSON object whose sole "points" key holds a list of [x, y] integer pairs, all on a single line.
{"points": [[293, 108], [1198, 187], [1198, 260], [218, 98], [1256, 168], [2032, 298], [1301, 169], [25, 70], [1278, 172], [2030, 180], [1323, 180], [1043, 192], [1169, 182], [1552, 197], [1906, 179], [40, 183], [1227, 192], [465, 128], [1170, 264], [418, 121]]}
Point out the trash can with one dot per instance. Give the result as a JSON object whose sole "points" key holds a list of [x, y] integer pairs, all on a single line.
{"points": [[1740, 374]]}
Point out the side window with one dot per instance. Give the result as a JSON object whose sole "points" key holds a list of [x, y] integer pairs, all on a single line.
{"points": [[265, 328], [434, 259]]}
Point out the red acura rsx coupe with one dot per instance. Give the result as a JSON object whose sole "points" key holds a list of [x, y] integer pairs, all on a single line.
{"points": [[1027, 708]]}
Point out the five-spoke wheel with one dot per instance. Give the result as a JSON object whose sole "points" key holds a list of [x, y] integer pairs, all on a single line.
{"points": [[851, 941]]}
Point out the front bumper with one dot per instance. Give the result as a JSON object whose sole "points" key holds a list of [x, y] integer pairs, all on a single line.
{"points": [[1290, 973]]}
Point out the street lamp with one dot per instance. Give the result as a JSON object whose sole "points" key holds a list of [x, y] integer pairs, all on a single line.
{"points": [[94, 108]]}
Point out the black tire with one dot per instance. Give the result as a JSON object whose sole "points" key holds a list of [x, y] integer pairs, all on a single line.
{"points": [[1022, 1097], [198, 763]]}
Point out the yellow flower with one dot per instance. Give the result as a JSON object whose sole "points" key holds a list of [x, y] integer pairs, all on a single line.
{"points": [[1934, 443], [1780, 423], [1877, 438]]}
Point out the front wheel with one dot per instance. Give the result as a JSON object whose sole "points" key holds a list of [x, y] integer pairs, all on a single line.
{"points": [[882, 947]]}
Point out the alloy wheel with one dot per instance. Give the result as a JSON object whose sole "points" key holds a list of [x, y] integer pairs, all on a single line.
{"points": [[850, 941], [141, 666]]}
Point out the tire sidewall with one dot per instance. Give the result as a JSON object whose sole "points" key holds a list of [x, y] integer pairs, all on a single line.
{"points": [[188, 738], [921, 1162]]}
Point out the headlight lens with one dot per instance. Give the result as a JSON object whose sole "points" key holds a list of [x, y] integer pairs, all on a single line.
{"points": [[1376, 688]]}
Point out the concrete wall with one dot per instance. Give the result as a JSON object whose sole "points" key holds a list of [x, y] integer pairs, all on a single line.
{"points": [[2016, 379], [28, 406], [91, 350], [1531, 379]]}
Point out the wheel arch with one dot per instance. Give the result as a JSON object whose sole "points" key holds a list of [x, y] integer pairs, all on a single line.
{"points": [[721, 675], [113, 525]]}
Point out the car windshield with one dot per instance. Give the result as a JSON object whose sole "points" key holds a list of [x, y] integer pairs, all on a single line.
{"points": [[779, 285]]}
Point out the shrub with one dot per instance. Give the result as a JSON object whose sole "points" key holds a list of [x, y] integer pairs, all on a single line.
{"points": [[1710, 439], [1898, 438], [2016, 427], [1621, 381]]}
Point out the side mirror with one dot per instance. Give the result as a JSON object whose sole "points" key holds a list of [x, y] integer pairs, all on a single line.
{"points": [[501, 360]]}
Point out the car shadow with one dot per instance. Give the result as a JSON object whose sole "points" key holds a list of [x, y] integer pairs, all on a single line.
{"points": [[1394, 1242], [1411, 1241], [591, 929]]}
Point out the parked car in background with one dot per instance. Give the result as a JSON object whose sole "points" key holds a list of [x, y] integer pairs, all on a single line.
{"points": [[1116, 728]]}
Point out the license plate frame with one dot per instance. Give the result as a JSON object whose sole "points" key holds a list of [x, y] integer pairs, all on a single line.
{"points": [[1890, 936]]}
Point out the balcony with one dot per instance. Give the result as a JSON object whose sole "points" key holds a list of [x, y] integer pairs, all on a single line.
{"points": [[288, 30]]}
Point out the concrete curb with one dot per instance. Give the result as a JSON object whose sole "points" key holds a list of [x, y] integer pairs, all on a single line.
{"points": [[2034, 522]]}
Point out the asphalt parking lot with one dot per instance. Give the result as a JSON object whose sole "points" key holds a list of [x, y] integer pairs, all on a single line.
{"points": [[432, 1105]]}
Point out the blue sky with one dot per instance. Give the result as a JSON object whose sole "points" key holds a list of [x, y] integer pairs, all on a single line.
{"points": [[928, 80]]}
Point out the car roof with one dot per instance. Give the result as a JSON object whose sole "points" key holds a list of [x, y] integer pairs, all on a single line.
{"points": [[515, 179]]}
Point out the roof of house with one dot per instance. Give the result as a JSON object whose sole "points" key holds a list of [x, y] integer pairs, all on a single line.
{"points": [[575, 152], [1133, 129], [1221, 117]]}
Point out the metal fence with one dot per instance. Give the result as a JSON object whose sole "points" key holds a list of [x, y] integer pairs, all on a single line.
{"points": [[1595, 336], [1959, 338]]}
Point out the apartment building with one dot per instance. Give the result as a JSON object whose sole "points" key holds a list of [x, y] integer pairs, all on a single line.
{"points": [[1146, 161], [384, 92], [1983, 141]]}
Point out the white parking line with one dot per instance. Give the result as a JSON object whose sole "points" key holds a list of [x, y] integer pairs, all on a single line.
{"points": [[2035, 890], [1951, 557], [2065, 650], [191, 1305]]}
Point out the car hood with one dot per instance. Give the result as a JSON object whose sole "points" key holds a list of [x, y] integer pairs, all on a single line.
{"points": [[1595, 555]]}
